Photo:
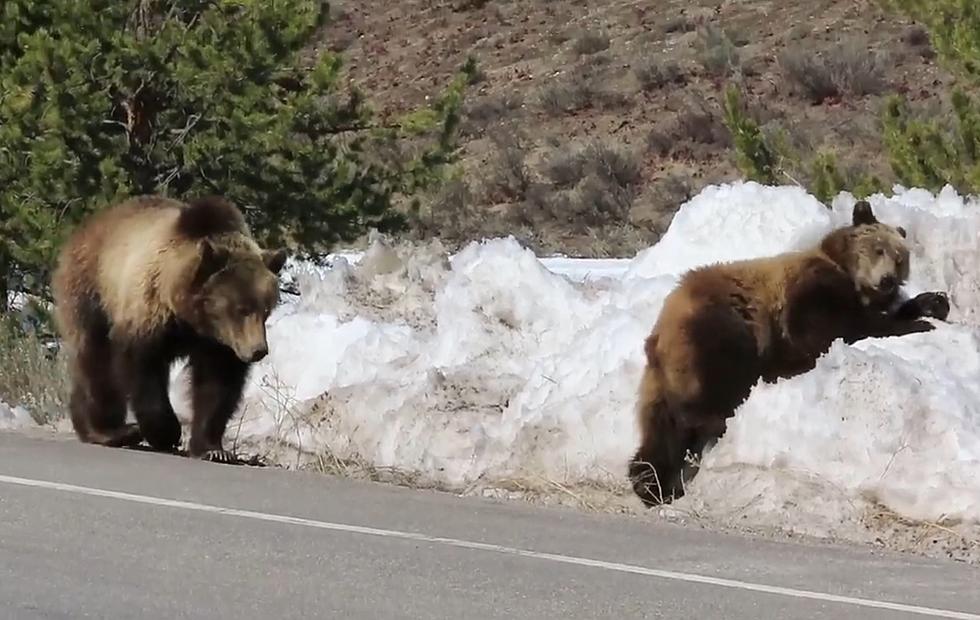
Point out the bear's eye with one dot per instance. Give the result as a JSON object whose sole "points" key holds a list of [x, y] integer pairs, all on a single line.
{"points": [[881, 252]]}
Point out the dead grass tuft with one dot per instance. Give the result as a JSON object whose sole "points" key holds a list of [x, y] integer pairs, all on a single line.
{"points": [[481, 113], [32, 374], [849, 69], [679, 23], [564, 168], [508, 175], [452, 213], [693, 132], [591, 42], [607, 182], [655, 73], [717, 52], [579, 90]]}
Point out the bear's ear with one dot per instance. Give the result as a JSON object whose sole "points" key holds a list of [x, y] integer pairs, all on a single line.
{"points": [[213, 260], [863, 214], [901, 231], [274, 260]]}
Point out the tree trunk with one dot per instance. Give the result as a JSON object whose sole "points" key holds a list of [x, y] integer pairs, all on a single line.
{"points": [[4, 291]]}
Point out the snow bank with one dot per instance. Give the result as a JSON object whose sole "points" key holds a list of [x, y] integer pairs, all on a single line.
{"points": [[492, 365], [13, 418]]}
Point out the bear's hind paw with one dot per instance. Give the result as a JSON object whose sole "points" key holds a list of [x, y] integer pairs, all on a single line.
{"points": [[126, 436]]}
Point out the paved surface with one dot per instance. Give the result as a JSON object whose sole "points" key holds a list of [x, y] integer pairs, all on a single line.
{"points": [[89, 532]]}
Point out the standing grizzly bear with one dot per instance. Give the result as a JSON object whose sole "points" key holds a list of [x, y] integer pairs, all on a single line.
{"points": [[145, 282], [726, 326]]}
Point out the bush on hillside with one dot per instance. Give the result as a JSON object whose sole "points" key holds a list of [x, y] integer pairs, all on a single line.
{"points": [[925, 149]]}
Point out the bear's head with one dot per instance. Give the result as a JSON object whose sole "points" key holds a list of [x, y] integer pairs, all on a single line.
{"points": [[875, 256], [238, 287]]}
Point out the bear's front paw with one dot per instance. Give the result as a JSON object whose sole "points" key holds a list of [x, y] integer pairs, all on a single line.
{"points": [[934, 305], [220, 456]]}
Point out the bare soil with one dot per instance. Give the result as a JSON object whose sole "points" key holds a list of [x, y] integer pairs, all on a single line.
{"points": [[595, 120]]}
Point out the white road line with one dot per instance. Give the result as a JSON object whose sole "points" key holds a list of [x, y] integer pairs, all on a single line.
{"points": [[468, 544]]}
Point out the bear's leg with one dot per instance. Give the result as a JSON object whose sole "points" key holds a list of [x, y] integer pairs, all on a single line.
{"points": [[217, 380], [97, 405], [656, 469], [934, 305], [146, 372], [884, 326]]}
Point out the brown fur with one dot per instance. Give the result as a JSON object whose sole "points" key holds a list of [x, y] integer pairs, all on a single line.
{"points": [[726, 326], [150, 280]]}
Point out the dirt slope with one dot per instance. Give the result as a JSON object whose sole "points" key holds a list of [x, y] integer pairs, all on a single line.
{"points": [[595, 119]]}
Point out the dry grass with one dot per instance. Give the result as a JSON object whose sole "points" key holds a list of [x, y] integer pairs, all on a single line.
{"points": [[564, 168], [451, 213], [508, 177], [483, 112], [578, 71], [657, 73], [718, 53], [695, 132], [592, 186], [576, 91], [849, 69], [31, 374], [591, 42]]}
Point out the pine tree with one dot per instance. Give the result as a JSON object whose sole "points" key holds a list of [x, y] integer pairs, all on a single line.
{"points": [[755, 156], [108, 98], [931, 152]]}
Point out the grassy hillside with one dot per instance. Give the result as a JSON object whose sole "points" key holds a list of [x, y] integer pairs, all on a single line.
{"points": [[594, 119]]}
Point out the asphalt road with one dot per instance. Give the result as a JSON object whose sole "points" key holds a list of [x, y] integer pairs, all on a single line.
{"points": [[89, 532]]}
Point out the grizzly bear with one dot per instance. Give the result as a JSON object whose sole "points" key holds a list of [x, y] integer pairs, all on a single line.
{"points": [[148, 281], [725, 326]]}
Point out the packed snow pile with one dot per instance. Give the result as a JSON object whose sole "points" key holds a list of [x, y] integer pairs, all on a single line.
{"points": [[12, 418], [493, 364]]}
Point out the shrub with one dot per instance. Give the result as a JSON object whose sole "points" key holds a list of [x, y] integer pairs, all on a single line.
{"points": [[609, 182], [590, 42], [568, 95], [954, 30], [849, 69], [615, 167], [32, 373], [654, 74], [508, 175], [718, 53], [754, 157], [481, 113], [700, 125], [679, 23], [564, 168], [931, 152]]}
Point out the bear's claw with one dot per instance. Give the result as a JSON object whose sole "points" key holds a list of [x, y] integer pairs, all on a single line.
{"points": [[228, 457], [934, 305], [220, 456]]}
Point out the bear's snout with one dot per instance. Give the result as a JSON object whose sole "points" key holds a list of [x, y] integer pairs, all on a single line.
{"points": [[888, 284], [259, 354]]}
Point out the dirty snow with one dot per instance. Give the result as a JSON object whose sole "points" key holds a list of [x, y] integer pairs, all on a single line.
{"points": [[493, 365], [13, 418]]}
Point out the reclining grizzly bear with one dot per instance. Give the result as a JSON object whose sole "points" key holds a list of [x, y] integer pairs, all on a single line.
{"points": [[726, 326], [146, 282]]}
